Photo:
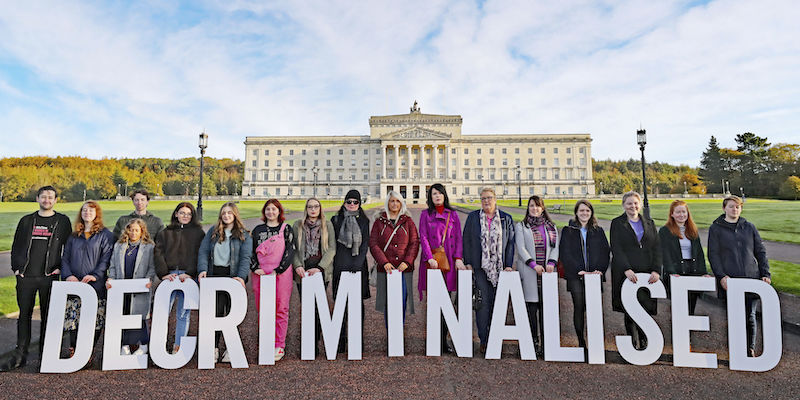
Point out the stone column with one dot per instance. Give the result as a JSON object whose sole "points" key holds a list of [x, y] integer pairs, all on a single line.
{"points": [[383, 162], [396, 162], [447, 161], [422, 161], [434, 161], [409, 150]]}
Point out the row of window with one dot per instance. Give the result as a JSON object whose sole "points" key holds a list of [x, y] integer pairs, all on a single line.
{"points": [[467, 190], [415, 151], [554, 174]]}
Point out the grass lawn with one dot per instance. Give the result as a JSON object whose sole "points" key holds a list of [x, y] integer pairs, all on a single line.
{"points": [[776, 220], [8, 295]]}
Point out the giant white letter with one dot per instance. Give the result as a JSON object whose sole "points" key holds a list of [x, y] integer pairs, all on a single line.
{"points": [[116, 322], [595, 337], [771, 323], [266, 320], [394, 313], [631, 304], [683, 323], [161, 308], [349, 295], [439, 305], [51, 353], [552, 330], [510, 285], [209, 323]]}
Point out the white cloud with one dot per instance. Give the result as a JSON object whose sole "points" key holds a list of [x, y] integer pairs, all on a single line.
{"points": [[145, 80]]}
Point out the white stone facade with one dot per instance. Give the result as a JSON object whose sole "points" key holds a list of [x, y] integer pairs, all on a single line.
{"points": [[408, 153]]}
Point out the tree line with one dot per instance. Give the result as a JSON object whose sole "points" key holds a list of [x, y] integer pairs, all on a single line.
{"points": [[756, 166], [77, 178]]}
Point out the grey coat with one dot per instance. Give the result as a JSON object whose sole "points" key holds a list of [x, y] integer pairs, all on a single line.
{"points": [[145, 268], [526, 251]]}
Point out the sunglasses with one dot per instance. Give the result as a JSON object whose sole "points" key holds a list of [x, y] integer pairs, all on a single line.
{"points": [[351, 202]]}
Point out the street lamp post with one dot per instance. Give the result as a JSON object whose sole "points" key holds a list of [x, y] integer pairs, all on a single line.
{"points": [[641, 139], [601, 188], [315, 170], [519, 187], [685, 190], [203, 144]]}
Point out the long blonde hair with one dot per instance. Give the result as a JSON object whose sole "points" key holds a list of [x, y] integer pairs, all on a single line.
{"points": [[238, 227], [125, 236], [323, 229]]}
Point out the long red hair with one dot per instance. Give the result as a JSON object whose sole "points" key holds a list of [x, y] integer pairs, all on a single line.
{"points": [[97, 224], [691, 228]]}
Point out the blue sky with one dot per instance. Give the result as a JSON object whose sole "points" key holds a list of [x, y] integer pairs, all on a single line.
{"points": [[122, 79]]}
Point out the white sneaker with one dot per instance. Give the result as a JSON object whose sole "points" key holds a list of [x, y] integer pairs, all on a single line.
{"points": [[226, 358], [125, 350], [278, 353], [216, 355], [142, 350]]}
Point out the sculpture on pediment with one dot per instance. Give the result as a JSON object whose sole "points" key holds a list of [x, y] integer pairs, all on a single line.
{"points": [[414, 107]]}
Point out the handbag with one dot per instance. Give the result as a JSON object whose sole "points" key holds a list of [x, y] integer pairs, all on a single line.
{"points": [[373, 271], [438, 253]]}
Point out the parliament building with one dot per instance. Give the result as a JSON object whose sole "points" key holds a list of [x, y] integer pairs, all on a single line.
{"points": [[408, 153]]}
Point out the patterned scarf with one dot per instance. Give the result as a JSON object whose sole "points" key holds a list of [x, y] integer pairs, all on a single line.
{"points": [[491, 247], [311, 232], [541, 247], [350, 232]]}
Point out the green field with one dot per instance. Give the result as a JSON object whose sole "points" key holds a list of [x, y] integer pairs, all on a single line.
{"points": [[10, 213], [776, 220]]}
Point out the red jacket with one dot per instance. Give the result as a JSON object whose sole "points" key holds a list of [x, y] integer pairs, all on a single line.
{"points": [[404, 246]]}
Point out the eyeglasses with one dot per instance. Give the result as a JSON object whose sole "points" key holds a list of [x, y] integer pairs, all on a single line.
{"points": [[184, 214], [312, 206], [487, 198], [352, 202]]}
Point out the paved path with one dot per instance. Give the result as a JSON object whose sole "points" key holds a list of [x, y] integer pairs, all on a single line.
{"points": [[418, 376]]}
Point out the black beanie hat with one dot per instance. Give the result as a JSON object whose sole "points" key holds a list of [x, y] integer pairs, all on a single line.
{"points": [[353, 194]]}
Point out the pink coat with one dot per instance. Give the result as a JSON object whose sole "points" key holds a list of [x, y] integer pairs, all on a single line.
{"points": [[431, 229]]}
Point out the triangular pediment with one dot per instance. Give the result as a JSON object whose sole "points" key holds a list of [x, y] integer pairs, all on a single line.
{"points": [[416, 132]]}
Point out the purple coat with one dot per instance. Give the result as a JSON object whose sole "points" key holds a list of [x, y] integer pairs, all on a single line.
{"points": [[431, 230]]}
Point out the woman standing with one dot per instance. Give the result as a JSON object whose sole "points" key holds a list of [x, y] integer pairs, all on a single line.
{"points": [[440, 230], [681, 250], [133, 259], [537, 252], [488, 250], [394, 244], [635, 247], [225, 252], [735, 250], [583, 250], [273, 248], [315, 245], [351, 226], [176, 258], [86, 257]]}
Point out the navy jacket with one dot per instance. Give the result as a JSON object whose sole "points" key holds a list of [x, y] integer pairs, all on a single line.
{"points": [[89, 257], [472, 240], [598, 253], [736, 252]]}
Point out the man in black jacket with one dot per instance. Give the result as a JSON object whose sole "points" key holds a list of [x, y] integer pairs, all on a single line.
{"points": [[36, 262]]}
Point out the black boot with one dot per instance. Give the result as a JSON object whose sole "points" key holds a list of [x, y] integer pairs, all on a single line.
{"points": [[17, 360], [537, 346]]}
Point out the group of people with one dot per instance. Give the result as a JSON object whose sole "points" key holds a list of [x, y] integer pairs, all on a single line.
{"points": [[47, 248]]}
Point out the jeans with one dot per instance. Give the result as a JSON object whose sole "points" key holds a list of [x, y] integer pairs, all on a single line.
{"points": [[750, 306], [182, 315]]}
